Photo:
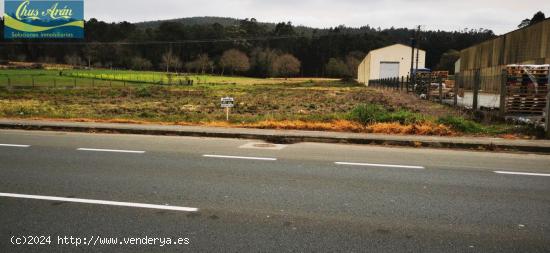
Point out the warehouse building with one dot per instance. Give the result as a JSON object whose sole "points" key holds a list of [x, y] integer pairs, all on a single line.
{"points": [[388, 62], [486, 61]]}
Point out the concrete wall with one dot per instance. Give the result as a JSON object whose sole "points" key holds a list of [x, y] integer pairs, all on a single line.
{"points": [[369, 69]]}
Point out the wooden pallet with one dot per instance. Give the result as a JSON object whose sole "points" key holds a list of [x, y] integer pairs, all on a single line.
{"points": [[533, 67], [526, 102], [519, 75], [524, 96], [520, 71], [440, 74], [527, 83]]}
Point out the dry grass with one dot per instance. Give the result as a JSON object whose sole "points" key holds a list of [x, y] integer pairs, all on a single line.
{"points": [[413, 129], [348, 126], [335, 126]]}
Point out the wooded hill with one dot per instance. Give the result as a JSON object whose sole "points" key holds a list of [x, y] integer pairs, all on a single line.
{"points": [[202, 41]]}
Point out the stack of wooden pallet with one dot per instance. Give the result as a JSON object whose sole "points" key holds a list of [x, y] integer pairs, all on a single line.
{"points": [[440, 78], [440, 75], [527, 87]]}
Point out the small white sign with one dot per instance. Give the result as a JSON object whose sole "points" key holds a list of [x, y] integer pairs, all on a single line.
{"points": [[228, 102]]}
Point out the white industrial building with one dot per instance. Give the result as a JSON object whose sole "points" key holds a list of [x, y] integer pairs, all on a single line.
{"points": [[388, 62]]}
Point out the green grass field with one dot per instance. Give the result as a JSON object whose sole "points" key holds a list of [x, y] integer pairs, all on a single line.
{"points": [[50, 78]]}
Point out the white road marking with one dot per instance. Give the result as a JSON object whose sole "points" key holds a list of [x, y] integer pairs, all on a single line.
{"points": [[111, 150], [241, 157], [14, 145], [382, 165], [100, 202], [522, 173]]}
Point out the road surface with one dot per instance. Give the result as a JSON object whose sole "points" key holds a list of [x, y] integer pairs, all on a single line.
{"points": [[178, 194]]}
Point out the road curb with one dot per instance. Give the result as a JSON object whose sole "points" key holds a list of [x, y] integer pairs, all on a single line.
{"points": [[290, 136]]}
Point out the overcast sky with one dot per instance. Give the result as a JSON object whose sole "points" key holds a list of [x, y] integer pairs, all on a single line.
{"points": [[501, 16]]}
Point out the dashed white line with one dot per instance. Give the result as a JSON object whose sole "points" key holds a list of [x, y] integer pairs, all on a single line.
{"points": [[100, 202], [381, 165], [241, 157], [14, 145], [111, 150], [522, 173]]}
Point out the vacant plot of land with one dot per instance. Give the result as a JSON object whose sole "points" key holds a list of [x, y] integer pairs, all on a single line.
{"points": [[313, 104]]}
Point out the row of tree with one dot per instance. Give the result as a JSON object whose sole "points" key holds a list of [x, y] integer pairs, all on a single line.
{"points": [[248, 48], [267, 62]]}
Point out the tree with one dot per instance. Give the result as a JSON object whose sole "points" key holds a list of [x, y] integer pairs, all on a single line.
{"points": [[251, 27], [283, 29], [448, 60], [524, 23], [353, 59], [234, 60], [191, 66], [170, 60], [200, 64], [177, 64], [47, 59], [73, 60], [90, 53], [538, 17], [286, 65], [203, 63], [140, 63], [337, 68], [261, 61]]}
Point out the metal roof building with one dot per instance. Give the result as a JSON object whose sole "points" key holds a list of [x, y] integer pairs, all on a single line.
{"points": [[388, 62]]}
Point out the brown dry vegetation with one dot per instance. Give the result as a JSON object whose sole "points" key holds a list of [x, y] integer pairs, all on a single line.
{"points": [[202, 104], [349, 126], [309, 105]]}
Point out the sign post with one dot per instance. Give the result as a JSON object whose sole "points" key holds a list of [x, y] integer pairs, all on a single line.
{"points": [[227, 103]]}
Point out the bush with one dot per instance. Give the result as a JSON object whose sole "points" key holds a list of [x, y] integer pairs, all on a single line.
{"points": [[462, 125], [403, 117], [367, 113], [143, 92], [374, 113]]}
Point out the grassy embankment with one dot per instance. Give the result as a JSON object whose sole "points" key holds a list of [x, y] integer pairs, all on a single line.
{"points": [[312, 104]]}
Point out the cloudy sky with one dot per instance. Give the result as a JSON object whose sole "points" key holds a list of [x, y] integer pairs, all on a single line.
{"points": [[499, 15]]}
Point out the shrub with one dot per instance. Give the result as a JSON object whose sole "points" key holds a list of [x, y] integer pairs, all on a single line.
{"points": [[403, 116], [374, 113], [462, 125], [367, 113], [143, 92]]}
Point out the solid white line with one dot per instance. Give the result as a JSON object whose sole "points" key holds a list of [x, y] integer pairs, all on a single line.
{"points": [[110, 150], [381, 165], [100, 202], [14, 145], [241, 157], [522, 173]]}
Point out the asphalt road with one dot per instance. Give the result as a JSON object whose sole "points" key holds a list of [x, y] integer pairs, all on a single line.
{"points": [[230, 195]]}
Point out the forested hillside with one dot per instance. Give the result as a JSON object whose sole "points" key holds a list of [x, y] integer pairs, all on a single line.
{"points": [[199, 45]]}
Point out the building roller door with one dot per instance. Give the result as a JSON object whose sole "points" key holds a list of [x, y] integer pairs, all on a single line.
{"points": [[389, 70]]}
